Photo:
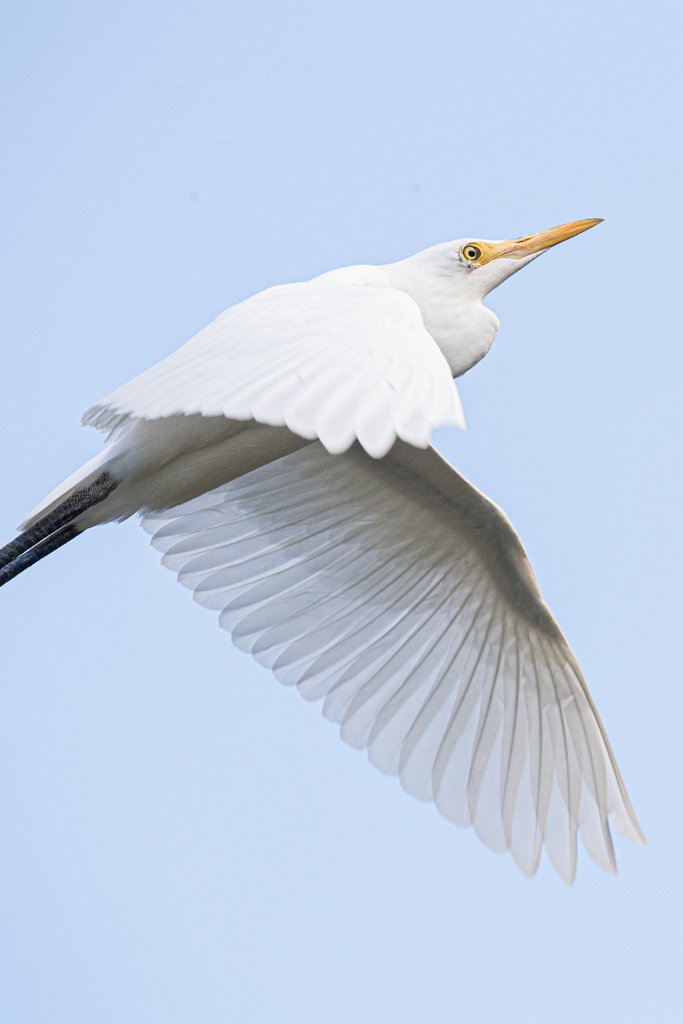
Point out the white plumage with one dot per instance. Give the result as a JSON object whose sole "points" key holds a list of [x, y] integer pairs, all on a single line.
{"points": [[281, 461], [337, 362], [401, 596]]}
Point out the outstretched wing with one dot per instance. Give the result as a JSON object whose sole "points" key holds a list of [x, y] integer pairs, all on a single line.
{"points": [[331, 361], [402, 597]]}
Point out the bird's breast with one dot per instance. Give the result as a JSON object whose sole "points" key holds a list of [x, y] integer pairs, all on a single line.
{"points": [[464, 335]]}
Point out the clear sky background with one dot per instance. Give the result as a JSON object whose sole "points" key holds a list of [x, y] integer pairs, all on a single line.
{"points": [[183, 839]]}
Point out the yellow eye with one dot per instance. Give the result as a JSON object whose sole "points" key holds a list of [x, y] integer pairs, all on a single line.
{"points": [[471, 252]]}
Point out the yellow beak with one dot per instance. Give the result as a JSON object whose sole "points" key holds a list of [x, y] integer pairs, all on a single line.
{"points": [[517, 248]]}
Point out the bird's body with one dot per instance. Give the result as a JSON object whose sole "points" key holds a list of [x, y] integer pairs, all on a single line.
{"points": [[163, 457], [281, 458]]}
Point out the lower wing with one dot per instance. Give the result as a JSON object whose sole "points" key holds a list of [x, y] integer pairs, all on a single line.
{"points": [[398, 594]]}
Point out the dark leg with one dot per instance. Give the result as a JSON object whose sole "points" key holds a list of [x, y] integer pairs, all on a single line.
{"points": [[65, 513], [38, 551]]}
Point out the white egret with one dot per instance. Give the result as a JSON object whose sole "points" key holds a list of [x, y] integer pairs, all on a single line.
{"points": [[281, 461]]}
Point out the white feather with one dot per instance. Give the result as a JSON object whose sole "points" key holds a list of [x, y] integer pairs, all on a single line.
{"points": [[399, 594], [328, 360]]}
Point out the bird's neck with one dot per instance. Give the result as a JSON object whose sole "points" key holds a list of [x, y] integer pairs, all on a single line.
{"points": [[460, 324]]}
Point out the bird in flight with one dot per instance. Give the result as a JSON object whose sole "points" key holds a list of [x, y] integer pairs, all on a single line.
{"points": [[281, 461]]}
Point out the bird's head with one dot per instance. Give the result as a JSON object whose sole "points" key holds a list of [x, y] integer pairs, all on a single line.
{"points": [[450, 281]]}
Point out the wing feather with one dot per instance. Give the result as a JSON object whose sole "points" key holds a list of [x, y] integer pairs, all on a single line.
{"points": [[399, 595], [334, 361]]}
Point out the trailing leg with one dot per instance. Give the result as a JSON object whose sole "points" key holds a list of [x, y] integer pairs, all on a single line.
{"points": [[65, 513]]}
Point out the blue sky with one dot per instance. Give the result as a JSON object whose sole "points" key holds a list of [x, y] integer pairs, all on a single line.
{"points": [[182, 838]]}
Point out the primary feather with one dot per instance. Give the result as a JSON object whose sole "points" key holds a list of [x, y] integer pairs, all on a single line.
{"points": [[400, 596]]}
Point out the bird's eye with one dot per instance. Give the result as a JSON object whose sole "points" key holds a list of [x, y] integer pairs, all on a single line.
{"points": [[471, 252]]}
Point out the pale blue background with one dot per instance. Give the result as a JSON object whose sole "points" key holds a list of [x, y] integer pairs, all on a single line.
{"points": [[182, 839]]}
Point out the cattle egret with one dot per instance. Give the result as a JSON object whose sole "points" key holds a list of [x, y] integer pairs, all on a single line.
{"points": [[281, 461]]}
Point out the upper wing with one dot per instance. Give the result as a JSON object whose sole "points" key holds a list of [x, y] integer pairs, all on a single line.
{"points": [[331, 361], [401, 595]]}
